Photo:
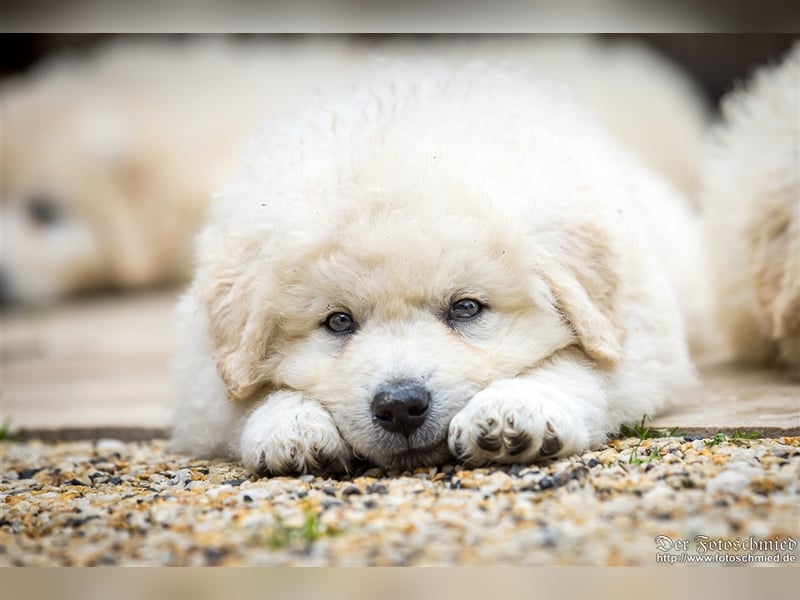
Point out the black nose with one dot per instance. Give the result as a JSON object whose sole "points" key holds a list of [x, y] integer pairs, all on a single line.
{"points": [[401, 407]]}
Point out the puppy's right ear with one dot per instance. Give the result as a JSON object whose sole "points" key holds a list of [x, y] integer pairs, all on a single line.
{"points": [[584, 280], [239, 332]]}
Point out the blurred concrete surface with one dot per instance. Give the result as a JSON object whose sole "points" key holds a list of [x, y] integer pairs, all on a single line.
{"points": [[99, 362], [100, 366]]}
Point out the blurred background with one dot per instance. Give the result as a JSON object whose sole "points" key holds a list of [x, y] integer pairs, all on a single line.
{"points": [[714, 60], [112, 145]]}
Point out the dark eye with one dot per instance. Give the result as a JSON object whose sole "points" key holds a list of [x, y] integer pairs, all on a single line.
{"points": [[43, 210], [464, 310], [340, 322]]}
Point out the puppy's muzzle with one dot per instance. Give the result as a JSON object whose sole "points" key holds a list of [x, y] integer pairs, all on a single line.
{"points": [[401, 407]]}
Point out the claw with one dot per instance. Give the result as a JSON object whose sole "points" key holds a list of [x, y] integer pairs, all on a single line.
{"points": [[551, 444]]}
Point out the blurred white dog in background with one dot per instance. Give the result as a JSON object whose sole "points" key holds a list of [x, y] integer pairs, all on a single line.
{"points": [[109, 158], [751, 198]]}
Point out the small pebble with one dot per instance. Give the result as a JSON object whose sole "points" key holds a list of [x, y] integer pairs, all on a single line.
{"points": [[235, 482], [546, 483], [28, 473], [350, 490], [106, 445]]}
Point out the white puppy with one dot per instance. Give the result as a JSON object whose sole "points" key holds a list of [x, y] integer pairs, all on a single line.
{"points": [[437, 263], [752, 205]]}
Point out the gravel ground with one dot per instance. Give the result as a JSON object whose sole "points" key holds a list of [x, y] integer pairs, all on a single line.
{"points": [[632, 502]]}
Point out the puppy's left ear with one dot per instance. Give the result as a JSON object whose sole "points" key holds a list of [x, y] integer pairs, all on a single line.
{"points": [[583, 277]]}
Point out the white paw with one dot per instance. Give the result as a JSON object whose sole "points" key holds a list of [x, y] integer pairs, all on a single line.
{"points": [[515, 421], [290, 435]]}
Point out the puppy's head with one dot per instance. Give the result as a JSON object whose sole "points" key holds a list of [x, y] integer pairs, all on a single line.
{"points": [[393, 306], [391, 255]]}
